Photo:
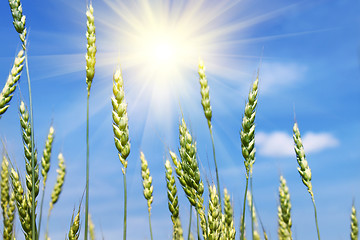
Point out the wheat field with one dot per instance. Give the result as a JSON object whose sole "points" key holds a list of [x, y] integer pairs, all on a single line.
{"points": [[179, 120]]}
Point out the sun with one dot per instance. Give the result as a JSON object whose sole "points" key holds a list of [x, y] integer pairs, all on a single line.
{"points": [[159, 43]]}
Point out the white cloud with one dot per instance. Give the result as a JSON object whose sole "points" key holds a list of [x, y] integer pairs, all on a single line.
{"points": [[277, 75], [280, 144]]}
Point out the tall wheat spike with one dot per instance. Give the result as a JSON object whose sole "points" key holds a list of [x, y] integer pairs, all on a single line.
{"points": [[121, 129], [32, 167], [247, 136], [205, 102], [90, 72], [304, 169]]}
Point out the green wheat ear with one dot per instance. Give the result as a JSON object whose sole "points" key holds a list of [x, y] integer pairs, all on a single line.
{"points": [[248, 128], [18, 20], [304, 169], [23, 204], [147, 181], [91, 48], [284, 209], [173, 201], [10, 85], [229, 217], [7, 200], [215, 218], [205, 96], [148, 187], [74, 231], [354, 235], [247, 136]]}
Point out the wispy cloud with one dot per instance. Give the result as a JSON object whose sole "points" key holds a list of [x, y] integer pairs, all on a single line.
{"points": [[277, 75], [280, 144]]}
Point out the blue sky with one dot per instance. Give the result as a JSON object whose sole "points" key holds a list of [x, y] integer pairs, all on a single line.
{"points": [[310, 62]]}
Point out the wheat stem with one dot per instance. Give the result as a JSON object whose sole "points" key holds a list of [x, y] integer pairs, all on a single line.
{"points": [[87, 169], [189, 228]]}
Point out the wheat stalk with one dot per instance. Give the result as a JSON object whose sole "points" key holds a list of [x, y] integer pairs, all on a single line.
{"points": [[32, 168], [10, 85], [205, 102], [304, 169], [90, 72], [247, 136], [121, 129], [194, 187], [354, 235], [284, 217]]}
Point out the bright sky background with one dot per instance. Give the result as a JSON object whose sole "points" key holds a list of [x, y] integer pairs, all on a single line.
{"points": [[310, 62]]}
